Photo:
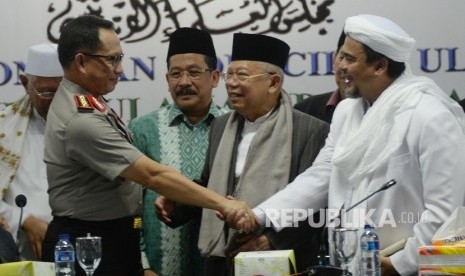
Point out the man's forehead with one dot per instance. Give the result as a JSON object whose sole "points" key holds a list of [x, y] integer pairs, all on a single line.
{"points": [[244, 64], [187, 59]]}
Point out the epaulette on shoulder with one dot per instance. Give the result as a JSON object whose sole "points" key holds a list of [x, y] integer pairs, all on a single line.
{"points": [[96, 104], [83, 104], [87, 103]]}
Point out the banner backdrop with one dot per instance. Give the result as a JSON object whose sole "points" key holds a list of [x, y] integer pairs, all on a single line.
{"points": [[310, 27]]}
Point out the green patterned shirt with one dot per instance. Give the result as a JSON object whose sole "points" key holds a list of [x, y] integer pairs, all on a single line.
{"points": [[167, 137]]}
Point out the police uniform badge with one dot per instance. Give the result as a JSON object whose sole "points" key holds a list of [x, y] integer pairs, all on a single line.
{"points": [[87, 103], [83, 104], [95, 103]]}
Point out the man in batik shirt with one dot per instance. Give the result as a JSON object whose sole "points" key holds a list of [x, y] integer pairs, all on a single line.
{"points": [[177, 136]]}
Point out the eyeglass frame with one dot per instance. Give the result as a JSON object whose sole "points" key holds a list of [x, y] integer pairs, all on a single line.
{"points": [[187, 72], [115, 60], [244, 77], [42, 93]]}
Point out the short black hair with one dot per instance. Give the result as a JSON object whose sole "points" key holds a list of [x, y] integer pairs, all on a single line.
{"points": [[81, 35], [395, 68]]}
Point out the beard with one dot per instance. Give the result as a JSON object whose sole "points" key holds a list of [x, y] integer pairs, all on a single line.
{"points": [[352, 93]]}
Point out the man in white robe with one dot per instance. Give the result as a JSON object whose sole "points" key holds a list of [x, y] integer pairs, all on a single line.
{"points": [[22, 169], [393, 126]]}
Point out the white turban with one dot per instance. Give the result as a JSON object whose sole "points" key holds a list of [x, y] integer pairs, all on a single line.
{"points": [[42, 61], [380, 34]]}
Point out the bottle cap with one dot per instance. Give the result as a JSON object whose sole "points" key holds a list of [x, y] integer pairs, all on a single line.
{"points": [[63, 236]]}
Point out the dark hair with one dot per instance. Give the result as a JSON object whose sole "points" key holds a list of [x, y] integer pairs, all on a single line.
{"points": [[395, 68], [81, 35], [210, 61], [341, 40]]}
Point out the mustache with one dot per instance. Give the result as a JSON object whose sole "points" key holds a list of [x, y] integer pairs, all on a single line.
{"points": [[183, 91]]}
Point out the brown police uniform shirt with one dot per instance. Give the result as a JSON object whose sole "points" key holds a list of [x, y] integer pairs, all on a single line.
{"points": [[86, 149]]}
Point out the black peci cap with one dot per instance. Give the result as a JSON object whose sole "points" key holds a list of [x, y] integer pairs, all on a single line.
{"points": [[258, 47], [190, 40]]}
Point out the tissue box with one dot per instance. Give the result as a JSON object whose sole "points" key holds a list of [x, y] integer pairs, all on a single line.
{"points": [[441, 260], [27, 268], [272, 263]]}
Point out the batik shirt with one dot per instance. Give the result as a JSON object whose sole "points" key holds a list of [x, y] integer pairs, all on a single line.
{"points": [[167, 137]]}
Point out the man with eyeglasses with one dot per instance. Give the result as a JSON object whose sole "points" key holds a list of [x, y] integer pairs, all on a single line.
{"points": [[95, 174], [254, 152], [22, 170], [177, 135]]}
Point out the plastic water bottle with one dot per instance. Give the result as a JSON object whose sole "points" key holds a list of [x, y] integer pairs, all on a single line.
{"points": [[64, 256], [369, 245]]}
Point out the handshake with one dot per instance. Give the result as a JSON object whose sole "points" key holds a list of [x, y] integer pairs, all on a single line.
{"points": [[237, 214]]}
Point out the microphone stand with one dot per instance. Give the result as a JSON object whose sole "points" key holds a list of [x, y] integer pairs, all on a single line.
{"points": [[19, 229], [20, 202], [328, 270]]}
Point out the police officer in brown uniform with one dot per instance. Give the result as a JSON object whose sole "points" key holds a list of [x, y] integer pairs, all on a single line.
{"points": [[92, 166]]}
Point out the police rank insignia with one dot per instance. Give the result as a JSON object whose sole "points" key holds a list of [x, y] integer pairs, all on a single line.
{"points": [[95, 103], [83, 104], [88, 103]]}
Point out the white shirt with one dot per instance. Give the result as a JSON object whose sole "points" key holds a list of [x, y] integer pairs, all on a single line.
{"points": [[30, 180], [248, 133]]}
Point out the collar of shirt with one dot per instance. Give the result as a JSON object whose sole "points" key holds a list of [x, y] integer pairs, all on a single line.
{"points": [[176, 116], [35, 116], [334, 99]]}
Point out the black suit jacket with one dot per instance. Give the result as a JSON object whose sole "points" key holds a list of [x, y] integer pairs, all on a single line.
{"points": [[315, 105]]}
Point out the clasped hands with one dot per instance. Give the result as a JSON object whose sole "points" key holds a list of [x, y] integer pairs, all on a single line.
{"points": [[237, 214]]}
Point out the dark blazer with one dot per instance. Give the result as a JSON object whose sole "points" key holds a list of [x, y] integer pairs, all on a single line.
{"points": [[309, 135], [315, 105]]}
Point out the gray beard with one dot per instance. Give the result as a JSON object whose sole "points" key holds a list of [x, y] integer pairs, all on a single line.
{"points": [[352, 94]]}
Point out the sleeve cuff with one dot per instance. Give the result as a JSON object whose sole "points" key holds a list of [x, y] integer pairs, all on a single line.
{"points": [[145, 260]]}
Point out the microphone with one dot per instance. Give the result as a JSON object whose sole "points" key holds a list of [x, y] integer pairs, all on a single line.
{"points": [[385, 186], [328, 270], [21, 201]]}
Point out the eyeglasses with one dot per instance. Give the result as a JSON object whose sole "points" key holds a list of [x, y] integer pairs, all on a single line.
{"points": [[44, 95], [241, 76], [193, 74], [115, 60]]}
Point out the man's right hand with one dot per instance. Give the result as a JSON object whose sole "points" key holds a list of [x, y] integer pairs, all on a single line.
{"points": [[35, 229], [238, 215], [163, 208]]}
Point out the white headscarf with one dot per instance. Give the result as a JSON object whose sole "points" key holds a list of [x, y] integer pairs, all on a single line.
{"points": [[358, 153], [380, 34]]}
